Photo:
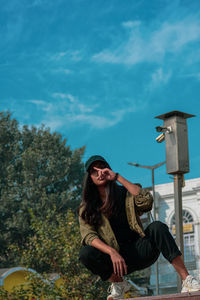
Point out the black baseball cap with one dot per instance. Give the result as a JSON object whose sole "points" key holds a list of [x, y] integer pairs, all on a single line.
{"points": [[93, 159]]}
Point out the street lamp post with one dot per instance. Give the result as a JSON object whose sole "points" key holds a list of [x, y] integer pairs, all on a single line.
{"points": [[152, 168], [175, 133]]}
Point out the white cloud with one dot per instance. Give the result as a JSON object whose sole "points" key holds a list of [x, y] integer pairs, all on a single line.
{"points": [[173, 37], [75, 55], [131, 24], [94, 119], [44, 105], [144, 45], [63, 96], [66, 71], [69, 110], [75, 104], [62, 70], [159, 77], [58, 56], [37, 102], [54, 124]]}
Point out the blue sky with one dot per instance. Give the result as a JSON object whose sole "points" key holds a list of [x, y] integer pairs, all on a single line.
{"points": [[98, 72]]}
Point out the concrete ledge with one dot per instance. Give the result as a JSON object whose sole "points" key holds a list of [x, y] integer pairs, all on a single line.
{"points": [[184, 296]]}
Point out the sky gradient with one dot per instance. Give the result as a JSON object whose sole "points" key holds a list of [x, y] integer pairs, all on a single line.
{"points": [[99, 72]]}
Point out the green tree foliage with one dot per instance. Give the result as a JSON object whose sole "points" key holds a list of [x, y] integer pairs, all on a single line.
{"points": [[37, 171], [40, 179], [54, 247]]}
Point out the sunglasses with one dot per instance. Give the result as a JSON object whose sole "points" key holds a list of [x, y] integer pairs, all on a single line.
{"points": [[94, 172]]}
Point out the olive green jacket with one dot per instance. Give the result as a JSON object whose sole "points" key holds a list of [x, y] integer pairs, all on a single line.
{"points": [[135, 207]]}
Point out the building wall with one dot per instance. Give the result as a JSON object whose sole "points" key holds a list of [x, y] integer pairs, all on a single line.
{"points": [[165, 210]]}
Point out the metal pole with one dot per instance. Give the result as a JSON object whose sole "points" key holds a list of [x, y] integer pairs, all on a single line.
{"points": [[152, 168], [179, 219], [154, 214], [153, 190]]}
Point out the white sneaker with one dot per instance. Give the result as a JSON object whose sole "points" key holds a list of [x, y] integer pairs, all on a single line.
{"points": [[190, 284], [117, 290]]}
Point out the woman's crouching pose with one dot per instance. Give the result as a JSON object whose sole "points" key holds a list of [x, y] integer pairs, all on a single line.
{"points": [[114, 242]]}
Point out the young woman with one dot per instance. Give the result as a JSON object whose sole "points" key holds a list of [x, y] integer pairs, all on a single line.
{"points": [[113, 239]]}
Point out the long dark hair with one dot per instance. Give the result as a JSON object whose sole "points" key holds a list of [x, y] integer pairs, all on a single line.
{"points": [[92, 204]]}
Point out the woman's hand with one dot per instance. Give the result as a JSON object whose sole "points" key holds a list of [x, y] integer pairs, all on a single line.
{"points": [[119, 264], [105, 173]]}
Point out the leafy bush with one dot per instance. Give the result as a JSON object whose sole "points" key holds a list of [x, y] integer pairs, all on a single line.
{"points": [[54, 248]]}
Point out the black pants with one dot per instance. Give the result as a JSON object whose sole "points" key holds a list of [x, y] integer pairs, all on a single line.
{"points": [[138, 254]]}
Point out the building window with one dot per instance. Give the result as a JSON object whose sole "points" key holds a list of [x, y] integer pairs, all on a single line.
{"points": [[189, 238]]}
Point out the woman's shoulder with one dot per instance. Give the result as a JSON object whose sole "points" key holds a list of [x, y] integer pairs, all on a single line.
{"points": [[81, 208]]}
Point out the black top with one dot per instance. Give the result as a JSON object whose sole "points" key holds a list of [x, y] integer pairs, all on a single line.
{"points": [[123, 233]]}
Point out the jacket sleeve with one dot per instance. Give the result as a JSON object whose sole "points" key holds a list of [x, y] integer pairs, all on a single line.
{"points": [[88, 232], [143, 201]]}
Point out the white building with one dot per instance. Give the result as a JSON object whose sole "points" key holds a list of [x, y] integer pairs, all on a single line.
{"points": [[164, 201]]}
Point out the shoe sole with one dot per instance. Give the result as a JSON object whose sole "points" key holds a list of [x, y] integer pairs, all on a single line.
{"points": [[113, 298]]}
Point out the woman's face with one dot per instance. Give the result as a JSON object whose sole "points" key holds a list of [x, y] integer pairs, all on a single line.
{"points": [[94, 173]]}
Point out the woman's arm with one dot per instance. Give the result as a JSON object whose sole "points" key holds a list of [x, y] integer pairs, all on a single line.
{"points": [[119, 264], [131, 187], [100, 245], [110, 175], [87, 231]]}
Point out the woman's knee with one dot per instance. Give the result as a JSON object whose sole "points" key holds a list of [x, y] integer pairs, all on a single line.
{"points": [[85, 254], [158, 226], [96, 261], [88, 254]]}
